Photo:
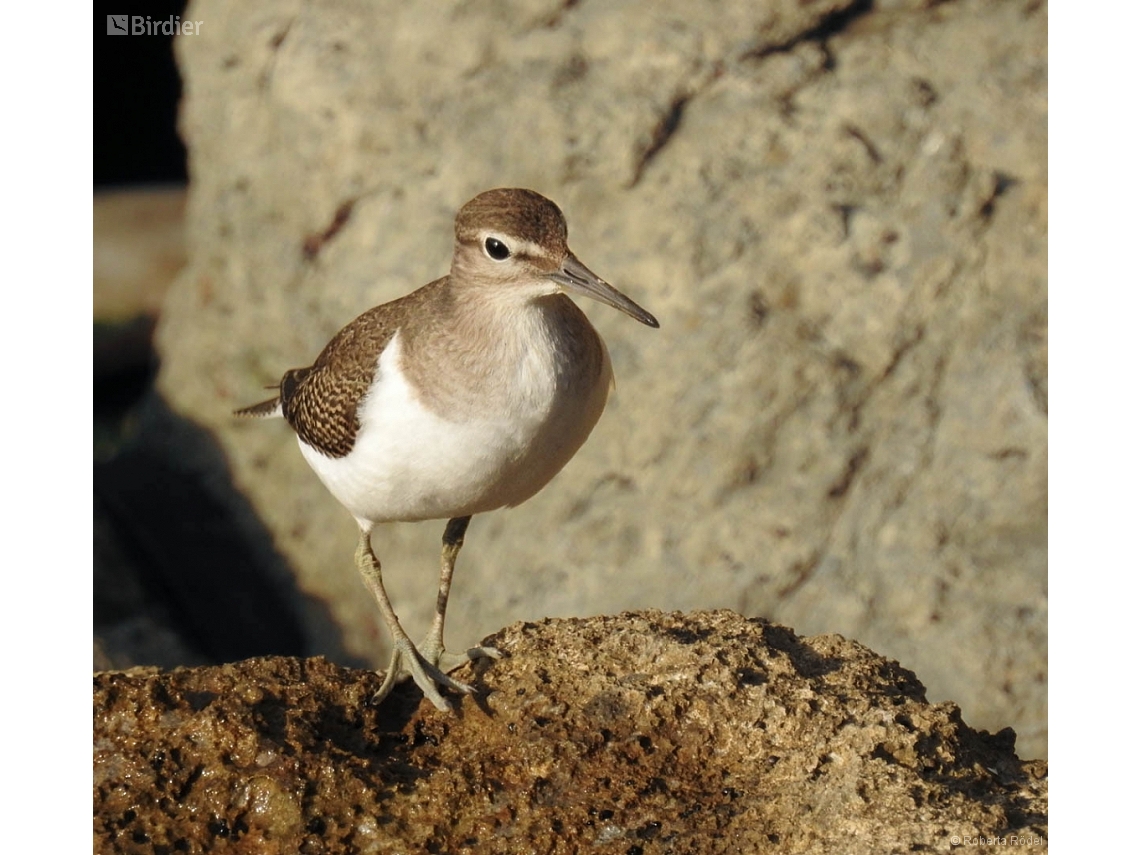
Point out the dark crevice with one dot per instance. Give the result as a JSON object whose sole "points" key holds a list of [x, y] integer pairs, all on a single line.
{"points": [[1008, 453], [845, 212], [316, 241], [555, 18], [831, 25], [665, 129], [265, 79], [843, 483], [758, 308], [1002, 182], [279, 37], [902, 350], [670, 121], [864, 140], [801, 571]]}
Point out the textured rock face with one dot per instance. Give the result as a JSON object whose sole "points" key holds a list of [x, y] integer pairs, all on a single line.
{"points": [[641, 733], [838, 213]]}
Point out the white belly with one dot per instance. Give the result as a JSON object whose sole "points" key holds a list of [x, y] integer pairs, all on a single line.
{"points": [[410, 463]]}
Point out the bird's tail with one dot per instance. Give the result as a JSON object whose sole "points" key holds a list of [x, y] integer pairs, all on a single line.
{"points": [[264, 410]]}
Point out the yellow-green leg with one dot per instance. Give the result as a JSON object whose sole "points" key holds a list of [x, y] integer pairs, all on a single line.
{"points": [[432, 646], [429, 664]]}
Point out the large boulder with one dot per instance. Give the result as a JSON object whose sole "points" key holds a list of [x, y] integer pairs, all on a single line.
{"points": [[836, 209]]}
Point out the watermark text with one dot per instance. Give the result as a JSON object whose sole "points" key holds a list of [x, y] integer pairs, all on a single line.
{"points": [[1010, 840], [145, 25]]}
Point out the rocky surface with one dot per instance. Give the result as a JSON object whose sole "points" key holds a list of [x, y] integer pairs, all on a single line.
{"points": [[641, 733], [838, 212]]}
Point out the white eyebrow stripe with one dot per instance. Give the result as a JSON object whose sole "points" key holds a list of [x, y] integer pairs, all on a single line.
{"points": [[525, 247]]}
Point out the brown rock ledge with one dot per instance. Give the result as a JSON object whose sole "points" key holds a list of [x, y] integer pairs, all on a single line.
{"points": [[644, 732]]}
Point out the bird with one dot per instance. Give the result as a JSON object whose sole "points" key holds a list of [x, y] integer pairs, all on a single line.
{"points": [[464, 396]]}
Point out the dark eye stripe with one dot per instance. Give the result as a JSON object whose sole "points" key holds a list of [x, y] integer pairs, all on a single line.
{"points": [[496, 249]]}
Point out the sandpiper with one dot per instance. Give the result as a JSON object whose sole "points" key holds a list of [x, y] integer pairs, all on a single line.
{"points": [[464, 396]]}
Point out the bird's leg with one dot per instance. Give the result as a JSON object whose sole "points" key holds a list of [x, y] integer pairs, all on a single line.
{"points": [[406, 660], [432, 647]]}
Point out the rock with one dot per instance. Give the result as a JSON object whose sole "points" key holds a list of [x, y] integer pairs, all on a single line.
{"points": [[139, 247], [641, 733], [138, 250], [836, 209]]}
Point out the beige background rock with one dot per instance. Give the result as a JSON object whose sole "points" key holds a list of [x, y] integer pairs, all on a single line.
{"points": [[838, 214], [138, 249]]}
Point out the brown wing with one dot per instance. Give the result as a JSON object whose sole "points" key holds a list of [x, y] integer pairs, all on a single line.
{"points": [[321, 407], [321, 402]]}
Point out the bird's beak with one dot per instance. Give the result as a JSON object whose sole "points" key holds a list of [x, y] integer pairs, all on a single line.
{"points": [[577, 278]]}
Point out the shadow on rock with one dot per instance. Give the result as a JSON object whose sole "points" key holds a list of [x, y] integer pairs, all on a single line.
{"points": [[185, 572]]}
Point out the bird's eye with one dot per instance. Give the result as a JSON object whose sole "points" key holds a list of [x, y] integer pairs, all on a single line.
{"points": [[496, 249]]}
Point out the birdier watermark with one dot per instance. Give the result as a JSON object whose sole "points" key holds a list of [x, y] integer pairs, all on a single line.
{"points": [[139, 25], [1027, 840]]}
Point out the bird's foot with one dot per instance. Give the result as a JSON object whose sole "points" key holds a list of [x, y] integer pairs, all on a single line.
{"points": [[432, 650], [429, 669]]}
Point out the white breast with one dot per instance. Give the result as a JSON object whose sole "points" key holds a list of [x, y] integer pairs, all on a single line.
{"points": [[410, 463]]}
